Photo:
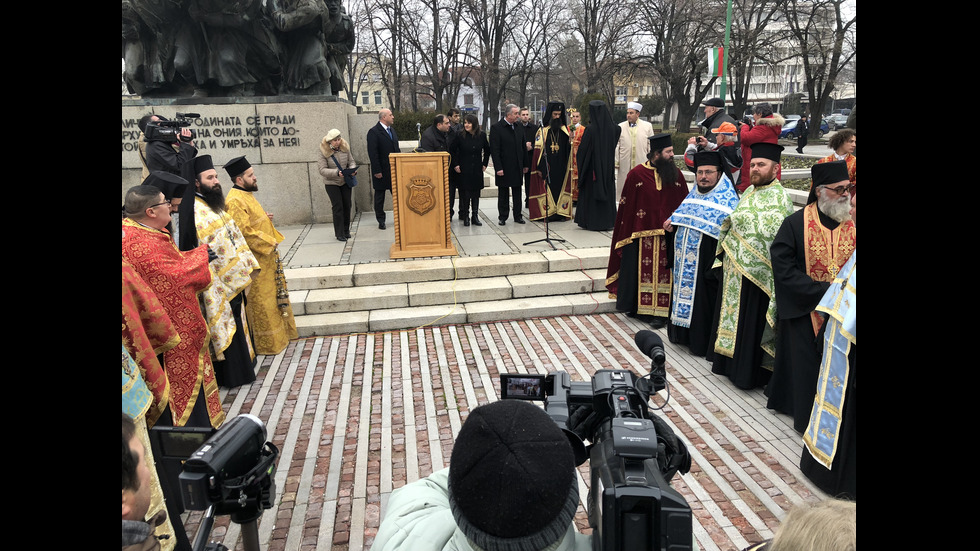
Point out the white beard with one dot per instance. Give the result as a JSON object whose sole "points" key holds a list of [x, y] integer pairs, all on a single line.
{"points": [[838, 208]]}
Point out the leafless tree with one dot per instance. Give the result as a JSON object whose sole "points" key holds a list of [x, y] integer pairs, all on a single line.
{"points": [[492, 22], [752, 43], [680, 31], [821, 28], [605, 28]]}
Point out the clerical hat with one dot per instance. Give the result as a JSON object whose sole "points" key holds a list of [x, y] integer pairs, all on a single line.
{"points": [[634, 106], [202, 163], [237, 166], [769, 151], [660, 141], [170, 184], [707, 158], [827, 174]]}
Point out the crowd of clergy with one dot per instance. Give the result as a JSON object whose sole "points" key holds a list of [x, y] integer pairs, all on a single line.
{"points": [[203, 293]]}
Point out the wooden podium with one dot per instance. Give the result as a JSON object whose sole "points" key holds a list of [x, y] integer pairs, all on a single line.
{"points": [[420, 196]]}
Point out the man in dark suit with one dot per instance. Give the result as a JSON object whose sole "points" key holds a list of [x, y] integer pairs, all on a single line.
{"points": [[381, 141], [530, 130], [508, 152]]}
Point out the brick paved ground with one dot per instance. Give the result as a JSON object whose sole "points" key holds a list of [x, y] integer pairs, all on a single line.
{"points": [[356, 416]]}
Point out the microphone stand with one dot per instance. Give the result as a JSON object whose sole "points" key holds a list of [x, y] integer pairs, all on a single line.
{"points": [[547, 191]]}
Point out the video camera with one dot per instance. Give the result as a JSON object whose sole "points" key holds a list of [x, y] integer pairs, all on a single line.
{"points": [[232, 472], [165, 130], [633, 454]]}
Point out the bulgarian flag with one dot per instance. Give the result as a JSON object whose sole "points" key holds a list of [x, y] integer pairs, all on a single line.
{"points": [[716, 60]]}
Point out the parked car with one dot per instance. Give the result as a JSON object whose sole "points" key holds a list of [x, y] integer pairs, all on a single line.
{"points": [[837, 121], [789, 129]]}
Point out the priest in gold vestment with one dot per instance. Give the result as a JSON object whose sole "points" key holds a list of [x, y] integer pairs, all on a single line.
{"points": [[225, 300], [268, 310]]}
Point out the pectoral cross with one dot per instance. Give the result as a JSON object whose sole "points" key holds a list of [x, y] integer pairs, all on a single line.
{"points": [[554, 147]]}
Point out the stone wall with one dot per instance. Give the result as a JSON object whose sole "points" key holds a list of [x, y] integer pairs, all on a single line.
{"points": [[279, 137]]}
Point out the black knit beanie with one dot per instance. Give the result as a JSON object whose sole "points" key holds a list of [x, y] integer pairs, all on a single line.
{"points": [[512, 484]]}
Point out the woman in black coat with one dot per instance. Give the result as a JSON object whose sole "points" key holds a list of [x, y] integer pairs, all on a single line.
{"points": [[470, 152]]}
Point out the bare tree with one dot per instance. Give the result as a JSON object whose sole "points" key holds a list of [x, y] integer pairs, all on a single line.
{"points": [[437, 38], [387, 41], [752, 43], [821, 28], [536, 46], [681, 31], [492, 24], [605, 28]]}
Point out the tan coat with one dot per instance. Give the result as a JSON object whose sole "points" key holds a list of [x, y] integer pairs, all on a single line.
{"points": [[632, 150], [329, 170]]}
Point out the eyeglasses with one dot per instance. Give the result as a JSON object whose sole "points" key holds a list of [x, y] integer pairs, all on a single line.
{"points": [[167, 202], [839, 190], [706, 172]]}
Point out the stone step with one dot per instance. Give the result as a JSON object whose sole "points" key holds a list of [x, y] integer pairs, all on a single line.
{"points": [[407, 294]]}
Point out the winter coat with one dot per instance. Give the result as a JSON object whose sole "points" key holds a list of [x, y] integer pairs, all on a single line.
{"points": [[765, 131]]}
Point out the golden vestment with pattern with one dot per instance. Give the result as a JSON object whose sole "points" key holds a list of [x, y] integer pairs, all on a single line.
{"points": [[272, 327], [231, 273]]}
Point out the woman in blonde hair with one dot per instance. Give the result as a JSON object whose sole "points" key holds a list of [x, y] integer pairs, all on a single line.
{"points": [[335, 157]]}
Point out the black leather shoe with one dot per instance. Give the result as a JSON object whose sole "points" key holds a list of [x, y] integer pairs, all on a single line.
{"points": [[466, 222], [502, 222], [347, 235], [476, 221], [341, 238], [381, 225], [520, 221]]}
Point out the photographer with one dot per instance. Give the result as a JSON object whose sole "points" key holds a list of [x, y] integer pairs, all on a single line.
{"points": [[511, 485], [170, 156]]}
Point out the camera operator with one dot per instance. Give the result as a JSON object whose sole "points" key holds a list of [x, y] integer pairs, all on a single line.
{"points": [[171, 156], [511, 485]]}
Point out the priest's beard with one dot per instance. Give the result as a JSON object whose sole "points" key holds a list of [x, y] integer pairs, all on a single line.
{"points": [[667, 170], [837, 208], [556, 125], [213, 197]]}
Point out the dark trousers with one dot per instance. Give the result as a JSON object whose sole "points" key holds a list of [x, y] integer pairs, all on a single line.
{"points": [[469, 202], [504, 202], [340, 205], [379, 204], [527, 187]]}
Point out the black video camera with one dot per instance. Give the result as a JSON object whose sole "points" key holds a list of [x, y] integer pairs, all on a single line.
{"points": [[633, 454], [165, 130], [232, 472]]}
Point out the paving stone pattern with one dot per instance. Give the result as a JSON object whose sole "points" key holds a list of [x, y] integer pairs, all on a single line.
{"points": [[357, 416]]}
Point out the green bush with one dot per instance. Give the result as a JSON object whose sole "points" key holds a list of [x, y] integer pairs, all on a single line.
{"points": [[405, 122]]}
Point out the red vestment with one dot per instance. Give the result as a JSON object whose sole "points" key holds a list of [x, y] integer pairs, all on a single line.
{"points": [[643, 207], [146, 332], [176, 278]]}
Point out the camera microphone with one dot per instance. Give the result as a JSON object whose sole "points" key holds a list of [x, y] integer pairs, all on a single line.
{"points": [[652, 345]]}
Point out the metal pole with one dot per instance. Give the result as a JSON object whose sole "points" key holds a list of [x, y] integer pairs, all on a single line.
{"points": [[724, 59]]}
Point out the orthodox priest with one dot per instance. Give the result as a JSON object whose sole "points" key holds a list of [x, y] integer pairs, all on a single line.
{"points": [[268, 311], [575, 131], [807, 254], [698, 223], [551, 168], [176, 278], [830, 441], [745, 343], [596, 158], [639, 271], [224, 301]]}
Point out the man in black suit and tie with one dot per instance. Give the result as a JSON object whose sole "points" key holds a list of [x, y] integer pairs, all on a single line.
{"points": [[508, 152], [381, 141]]}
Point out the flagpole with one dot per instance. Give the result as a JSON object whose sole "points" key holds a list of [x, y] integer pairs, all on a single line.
{"points": [[724, 51]]}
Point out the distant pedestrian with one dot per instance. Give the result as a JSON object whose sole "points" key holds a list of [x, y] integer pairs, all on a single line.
{"points": [[802, 131]]}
